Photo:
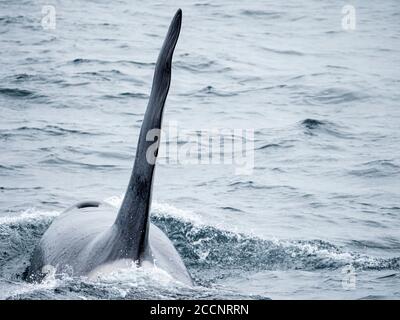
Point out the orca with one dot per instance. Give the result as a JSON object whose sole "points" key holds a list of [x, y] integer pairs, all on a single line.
{"points": [[93, 237]]}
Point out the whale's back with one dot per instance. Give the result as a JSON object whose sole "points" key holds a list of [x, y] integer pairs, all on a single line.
{"points": [[64, 242], [82, 238]]}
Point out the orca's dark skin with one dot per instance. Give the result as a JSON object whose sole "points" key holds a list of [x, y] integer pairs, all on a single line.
{"points": [[93, 237]]}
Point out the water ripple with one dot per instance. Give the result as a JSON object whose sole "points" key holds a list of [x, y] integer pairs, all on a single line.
{"points": [[19, 93]]}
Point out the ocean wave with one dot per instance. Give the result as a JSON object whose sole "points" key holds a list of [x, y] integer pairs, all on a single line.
{"points": [[9, 170], [58, 161], [376, 168], [194, 65], [101, 154], [210, 247], [27, 217], [124, 95], [82, 60], [272, 146], [334, 96], [79, 61], [262, 14], [285, 52], [249, 184], [18, 237], [312, 123], [210, 252], [51, 130], [19, 188], [205, 246], [14, 19], [314, 127], [19, 93], [25, 77], [210, 91]]}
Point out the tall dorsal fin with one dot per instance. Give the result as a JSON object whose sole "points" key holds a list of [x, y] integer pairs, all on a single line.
{"points": [[133, 217]]}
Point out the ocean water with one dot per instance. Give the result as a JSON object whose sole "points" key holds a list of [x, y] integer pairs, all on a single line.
{"points": [[319, 217]]}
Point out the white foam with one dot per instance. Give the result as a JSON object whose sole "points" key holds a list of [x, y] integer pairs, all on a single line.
{"points": [[48, 283], [31, 214], [163, 210], [133, 276]]}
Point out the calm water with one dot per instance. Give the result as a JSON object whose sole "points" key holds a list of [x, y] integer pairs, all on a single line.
{"points": [[324, 196]]}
